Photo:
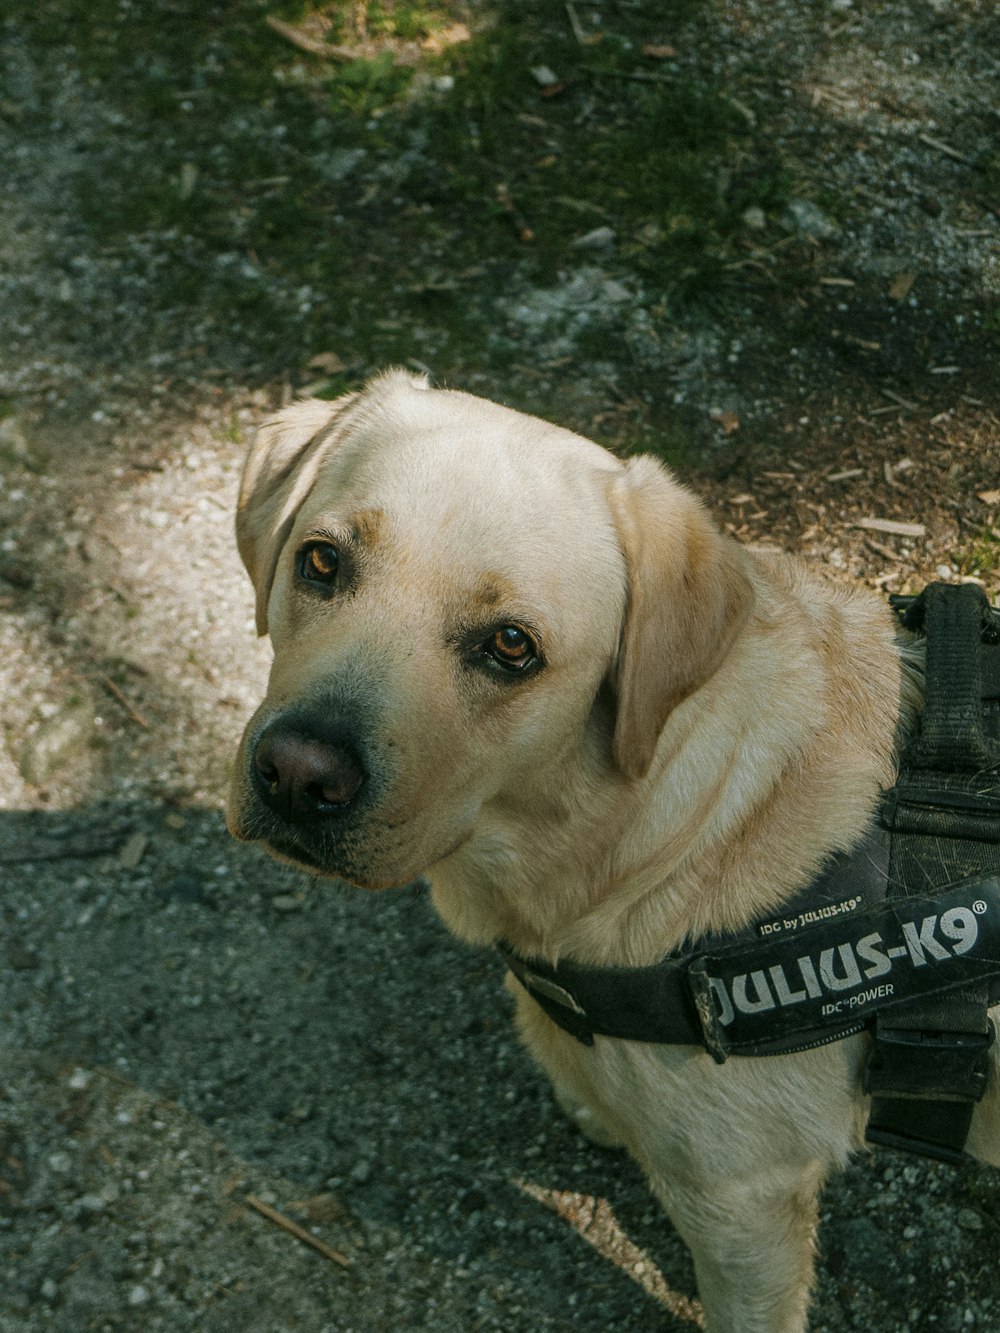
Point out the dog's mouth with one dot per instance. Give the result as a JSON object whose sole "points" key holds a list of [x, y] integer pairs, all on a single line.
{"points": [[305, 858], [337, 865], [340, 868]]}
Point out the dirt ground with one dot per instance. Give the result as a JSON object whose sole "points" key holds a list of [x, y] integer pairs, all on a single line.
{"points": [[201, 216]]}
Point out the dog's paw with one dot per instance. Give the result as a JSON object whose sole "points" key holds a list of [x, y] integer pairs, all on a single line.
{"points": [[587, 1121]]}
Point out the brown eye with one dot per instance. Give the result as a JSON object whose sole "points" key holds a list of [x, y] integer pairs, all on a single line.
{"points": [[318, 562], [512, 648]]}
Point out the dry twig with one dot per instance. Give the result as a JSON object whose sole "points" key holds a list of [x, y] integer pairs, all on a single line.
{"points": [[940, 147], [304, 42], [293, 1229], [132, 711]]}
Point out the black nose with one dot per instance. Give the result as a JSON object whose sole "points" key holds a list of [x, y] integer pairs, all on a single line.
{"points": [[301, 776]]}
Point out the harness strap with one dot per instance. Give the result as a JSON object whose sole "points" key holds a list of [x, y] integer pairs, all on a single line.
{"points": [[805, 985], [659, 1003], [900, 935], [928, 1063]]}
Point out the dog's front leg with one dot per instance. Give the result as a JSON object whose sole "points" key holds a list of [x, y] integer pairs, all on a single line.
{"points": [[752, 1244]]}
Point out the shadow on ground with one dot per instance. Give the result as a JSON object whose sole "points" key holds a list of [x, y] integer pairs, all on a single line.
{"points": [[759, 240]]}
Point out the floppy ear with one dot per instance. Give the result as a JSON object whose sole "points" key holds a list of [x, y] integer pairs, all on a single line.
{"points": [[688, 598], [279, 473]]}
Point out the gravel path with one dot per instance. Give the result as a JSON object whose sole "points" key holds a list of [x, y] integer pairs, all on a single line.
{"points": [[188, 1026]]}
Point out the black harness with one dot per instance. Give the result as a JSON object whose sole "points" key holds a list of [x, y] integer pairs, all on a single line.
{"points": [[900, 936]]}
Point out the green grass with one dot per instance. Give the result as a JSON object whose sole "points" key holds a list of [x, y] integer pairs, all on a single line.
{"points": [[981, 558], [223, 173]]}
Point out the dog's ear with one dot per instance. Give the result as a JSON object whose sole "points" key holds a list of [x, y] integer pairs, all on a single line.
{"points": [[279, 473], [688, 598]]}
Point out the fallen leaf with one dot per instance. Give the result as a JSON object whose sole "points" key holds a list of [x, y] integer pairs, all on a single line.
{"points": [[989, 497], [659, 52]]}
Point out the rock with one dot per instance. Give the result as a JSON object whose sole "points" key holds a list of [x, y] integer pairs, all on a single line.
{"points": [[598, 239], [16, 448], [133, 850], [21, 960], [57, 742], [287, 902], [338, 164], [544, 76], [181, 888], [808, 219]]}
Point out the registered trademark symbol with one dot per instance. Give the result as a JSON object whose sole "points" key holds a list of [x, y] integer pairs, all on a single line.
{"points": [[979, 907]]}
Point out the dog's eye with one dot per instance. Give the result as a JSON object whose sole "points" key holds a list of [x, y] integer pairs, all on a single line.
{"points": [[512, 648], [318, 562]]}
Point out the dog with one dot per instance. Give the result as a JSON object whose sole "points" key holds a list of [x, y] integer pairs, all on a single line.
{"points": [[540, 677]]}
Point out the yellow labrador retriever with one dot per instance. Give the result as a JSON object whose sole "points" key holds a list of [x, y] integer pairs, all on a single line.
{"points": [[508, 661]]}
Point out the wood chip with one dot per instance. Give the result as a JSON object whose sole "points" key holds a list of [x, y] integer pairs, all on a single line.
{"points": [[898, 398], [133, 850], [890, 470], [293, 1229], [435, 43], [885, 551], [327, 361], [989, 497], [901, 285], [729, 421], [892, 527]]}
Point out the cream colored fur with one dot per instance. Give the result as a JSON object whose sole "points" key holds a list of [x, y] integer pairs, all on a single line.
{"points": [[709, 724]]}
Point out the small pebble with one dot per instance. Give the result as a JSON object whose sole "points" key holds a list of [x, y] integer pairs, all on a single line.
{"points": [[287, 902]]}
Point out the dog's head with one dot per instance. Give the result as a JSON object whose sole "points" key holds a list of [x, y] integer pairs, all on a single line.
{"points": [[464, 602]]}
